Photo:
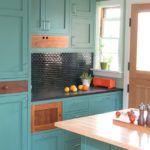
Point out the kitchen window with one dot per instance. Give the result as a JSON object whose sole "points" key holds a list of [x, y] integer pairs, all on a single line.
{"points": [[109, 38]]}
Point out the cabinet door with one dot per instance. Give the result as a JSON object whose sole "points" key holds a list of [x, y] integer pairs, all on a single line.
{"points": [[104, 103], [51, 140], [50, 16], [82, 7], [13, 126], [13, 39], [57, 16], [50, 113], [90, 144], [38, 16], [116, 148], [82, 32], [73, 144]]}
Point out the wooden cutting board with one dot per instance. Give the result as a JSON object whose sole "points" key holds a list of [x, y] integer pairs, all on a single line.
{"points": [[123, 121]]}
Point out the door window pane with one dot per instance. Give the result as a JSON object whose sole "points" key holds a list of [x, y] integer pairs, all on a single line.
{"points": [[143, 42]]}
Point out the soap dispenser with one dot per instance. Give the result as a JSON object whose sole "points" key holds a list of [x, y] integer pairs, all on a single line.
{"points": [[141, 119]]}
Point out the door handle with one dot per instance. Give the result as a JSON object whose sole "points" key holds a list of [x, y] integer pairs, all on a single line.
{"points": [[74, 9], [73, 40]]}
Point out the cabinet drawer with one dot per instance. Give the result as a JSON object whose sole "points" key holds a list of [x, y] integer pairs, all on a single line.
{"points": [[75, 104], [75, 115], [70, 135], [73, 144], [39, 41], [13, 87]]}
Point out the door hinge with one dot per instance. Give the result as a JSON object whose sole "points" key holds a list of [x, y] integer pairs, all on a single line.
{"points": [[128, 88], [128, 66], [130, 22]]}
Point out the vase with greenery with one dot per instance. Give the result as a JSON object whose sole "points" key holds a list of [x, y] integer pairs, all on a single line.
{"points": [[86, 78], [105, 62]]}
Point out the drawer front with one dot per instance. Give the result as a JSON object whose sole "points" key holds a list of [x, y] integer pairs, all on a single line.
{"points": [[75, 115], [73, 144], [13, 87], [75, 104], [70, 135], [50, 41]]}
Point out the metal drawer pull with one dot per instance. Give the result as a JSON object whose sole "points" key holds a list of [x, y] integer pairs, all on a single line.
{"points": [[78, 116]]}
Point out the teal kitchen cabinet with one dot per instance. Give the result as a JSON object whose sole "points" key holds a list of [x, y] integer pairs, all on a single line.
{"points": [[48, 140], [50, 17], [13, 126], [91, 144], [74, 107], [101, 103], [82, 7], [116, 148], [82, 33], [83, 24], [13, 39]]}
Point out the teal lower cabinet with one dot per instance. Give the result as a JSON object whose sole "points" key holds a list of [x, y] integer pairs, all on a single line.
{"points": [[101, 103], [48, 140], [74, 144], [91, 144], [13, 124]]}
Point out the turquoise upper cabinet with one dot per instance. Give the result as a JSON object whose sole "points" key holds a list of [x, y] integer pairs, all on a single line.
{"points": [[13, 39], [82, 7], [83, 24], [50, 16], [13, 126], [102, 103], [82, 32]]}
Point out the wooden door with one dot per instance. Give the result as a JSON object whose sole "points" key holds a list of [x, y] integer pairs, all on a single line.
{"points": [[45, 115], [139, 74]]}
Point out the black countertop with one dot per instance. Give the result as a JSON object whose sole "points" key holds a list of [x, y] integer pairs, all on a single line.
{"points": [[46, 94]]}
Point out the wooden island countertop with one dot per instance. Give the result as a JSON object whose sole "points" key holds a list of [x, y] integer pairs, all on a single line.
{"points": [[100, 127]]}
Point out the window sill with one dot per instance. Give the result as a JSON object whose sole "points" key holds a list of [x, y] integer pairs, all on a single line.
{"points": [[112, 74]]}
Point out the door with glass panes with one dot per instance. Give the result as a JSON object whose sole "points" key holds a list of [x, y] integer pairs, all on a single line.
{"points": [[139, 74]]}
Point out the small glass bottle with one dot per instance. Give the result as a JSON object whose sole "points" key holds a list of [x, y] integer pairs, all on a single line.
{"points": [[141, 119], [148, 116]]}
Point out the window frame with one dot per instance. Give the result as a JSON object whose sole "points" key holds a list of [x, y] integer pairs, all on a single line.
{"points": [[96, 69]]}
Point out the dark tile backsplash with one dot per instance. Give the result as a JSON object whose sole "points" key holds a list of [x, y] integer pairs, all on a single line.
{"points": [[55, 71]]}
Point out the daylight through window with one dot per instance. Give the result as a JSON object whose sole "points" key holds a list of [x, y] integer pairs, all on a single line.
{"points": [[110, 36]]}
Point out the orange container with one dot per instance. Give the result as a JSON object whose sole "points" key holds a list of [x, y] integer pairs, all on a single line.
{"points": [[109, 83]]}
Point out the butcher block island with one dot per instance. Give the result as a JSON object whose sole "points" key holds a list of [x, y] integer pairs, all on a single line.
{"points": [[99, 132]]}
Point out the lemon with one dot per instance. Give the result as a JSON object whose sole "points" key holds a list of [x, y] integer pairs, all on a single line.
{"points": [[80, 87], [66, 89]]}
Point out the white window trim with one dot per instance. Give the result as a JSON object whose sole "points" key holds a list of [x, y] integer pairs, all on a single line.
{"points": [[96, 71]]}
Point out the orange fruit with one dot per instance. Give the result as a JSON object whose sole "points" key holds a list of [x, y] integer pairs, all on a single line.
{"points": [[73, 88], [85, 88], [66, 89], [80, 87]]}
